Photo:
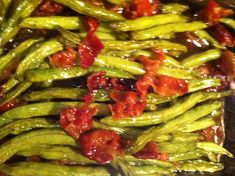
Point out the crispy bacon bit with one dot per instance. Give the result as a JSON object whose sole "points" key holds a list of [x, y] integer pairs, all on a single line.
{"points": [[96, 81], [77, 120], [9, 105], [127, 104], [90, 46], [208, 134], [150, 151], [140, 8], [101, 145], [212, 13], [226, 64], [48, 8], [64, 59], [223, 36]]}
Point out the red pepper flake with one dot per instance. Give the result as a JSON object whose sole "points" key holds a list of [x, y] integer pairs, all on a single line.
{"points": [[64, 59], [90, 46], [96, 81], [9, 105], [223, 36], [139, 8], [127, 104], [77, 120], [101, 145], [48, 8], [212, 13], [150, 151]]}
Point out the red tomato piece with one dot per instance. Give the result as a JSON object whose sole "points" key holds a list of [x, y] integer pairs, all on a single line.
{"points": [[223, 36], [9, 105], [127, 104], [48, 8], [141, 8], [64, 59], [101, 145], [77, 120], [97, 80], [92, 24], [150, 151], [212, 13]]}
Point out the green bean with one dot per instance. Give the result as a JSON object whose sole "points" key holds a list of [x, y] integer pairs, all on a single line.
{"points": [[201, 58], [200, 165], [195, 154], [202, 34], [6, 3], [174, 8], [166, 29], [88, 9], [3, 10], [176, 147], [199, 125], [46, 169], [19, 126], [45, 109], [100, 35], [214, 95], [23, 10], [202, 83], [156, 117], [34, 138], [72, 37], [174, 72], [178, 136], [172, 125], [228, 21], [148, 22], [23, 86], [4, 60], [52, 22], [104, 27], [51, 74], [63, 153], [131, 45], [215, 148], [9, 84], [37, 56]]}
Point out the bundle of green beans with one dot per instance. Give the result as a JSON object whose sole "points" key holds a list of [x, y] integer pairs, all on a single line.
{"points": [[32, 96]]}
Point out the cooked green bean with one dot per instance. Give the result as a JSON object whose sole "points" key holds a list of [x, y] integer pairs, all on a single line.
{"points": [[52, 152], [9, 84], [174, 72], [174, 8], [34, 138], [52, 22], [46, 169], [178, 136], [19, 126], [100, 35], [88, 9], [45, 109], [212, 147], [37, 56], [228, 21], [166, 29], [148, 22], [51, 74], [156, 117], [176, 147], [195, 154], [201, 58], [202, 34], [70, 36]]}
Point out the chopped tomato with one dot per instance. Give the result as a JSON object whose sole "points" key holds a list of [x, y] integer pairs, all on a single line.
{"points": [[139, 8], [92, 24], [150, 151], [88, 98], [212, 13], [226, 64], [9, 105], [64, 59], [223, 36], [101, 145], [97, 80], [127, 104], [208, 134], [48, 8], [77, 120]]}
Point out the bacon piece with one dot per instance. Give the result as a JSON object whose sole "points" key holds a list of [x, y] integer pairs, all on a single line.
{"points": [[212, 13], [127, 104], [48, 8], [150, 151], [9, 105], [101, 145], [97, 80], [223, 36], [64, 59], [77, 120], [139, 8]]}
